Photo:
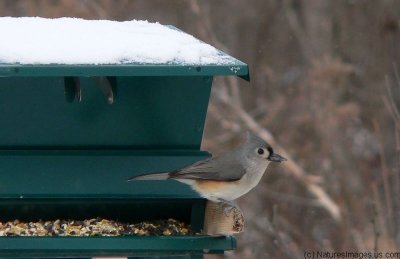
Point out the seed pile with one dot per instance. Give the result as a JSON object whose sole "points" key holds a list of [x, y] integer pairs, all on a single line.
{"points": [[94, 227]]}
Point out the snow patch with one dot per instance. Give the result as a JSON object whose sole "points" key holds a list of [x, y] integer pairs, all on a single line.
{"points": [[35, 40]]}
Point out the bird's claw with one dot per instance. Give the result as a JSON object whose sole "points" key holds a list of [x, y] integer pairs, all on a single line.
{"points": [[227, 210], [228, 207]]}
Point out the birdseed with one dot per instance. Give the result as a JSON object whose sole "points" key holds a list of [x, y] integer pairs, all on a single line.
{"points": [[94, 227]]}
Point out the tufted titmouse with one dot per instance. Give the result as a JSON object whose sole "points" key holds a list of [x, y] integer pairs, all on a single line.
{"points": [[227, 177]]}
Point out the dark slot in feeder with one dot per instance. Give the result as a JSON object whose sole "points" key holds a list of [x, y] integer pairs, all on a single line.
{"points": [[71, 135]]}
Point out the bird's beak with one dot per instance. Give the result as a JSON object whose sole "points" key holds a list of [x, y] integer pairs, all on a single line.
{"points": [[276, 158]]}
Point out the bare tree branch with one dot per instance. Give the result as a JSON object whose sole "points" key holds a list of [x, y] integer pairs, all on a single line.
{"points": [[393, 108]]}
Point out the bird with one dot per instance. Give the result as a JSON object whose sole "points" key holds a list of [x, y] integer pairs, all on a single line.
{"points": [[226, 177]]}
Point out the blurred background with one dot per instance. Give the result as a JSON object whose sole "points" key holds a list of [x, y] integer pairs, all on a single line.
{"points": [[324, 90]]}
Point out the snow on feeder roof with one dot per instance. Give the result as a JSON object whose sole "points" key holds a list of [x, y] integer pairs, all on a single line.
{"points": [[74, 41]]}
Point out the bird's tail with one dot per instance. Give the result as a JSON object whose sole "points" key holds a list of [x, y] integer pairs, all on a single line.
{"points": [[150, 176]]}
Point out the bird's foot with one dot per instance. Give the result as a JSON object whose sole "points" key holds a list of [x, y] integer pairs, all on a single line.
{"points": [[228, 206], [227, 211]]}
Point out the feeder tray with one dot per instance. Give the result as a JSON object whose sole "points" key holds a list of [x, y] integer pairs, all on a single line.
{"points": [[94, 227]]}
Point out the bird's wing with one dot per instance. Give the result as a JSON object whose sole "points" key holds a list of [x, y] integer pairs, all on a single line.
{"points": [[218, 169]]}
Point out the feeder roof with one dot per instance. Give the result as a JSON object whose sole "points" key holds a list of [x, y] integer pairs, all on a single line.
{"points": [[73, 46]]}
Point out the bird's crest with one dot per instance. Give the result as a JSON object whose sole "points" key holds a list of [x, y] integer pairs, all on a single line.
{"points": [[255, 140]]}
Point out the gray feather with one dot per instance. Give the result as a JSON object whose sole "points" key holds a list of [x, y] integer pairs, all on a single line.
{"points": [[231, 166], [151, 176], [223, 168]]}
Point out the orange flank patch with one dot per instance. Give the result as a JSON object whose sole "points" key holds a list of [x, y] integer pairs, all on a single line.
{"points": [[210, 185]]}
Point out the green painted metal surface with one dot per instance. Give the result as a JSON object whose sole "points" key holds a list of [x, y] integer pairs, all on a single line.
{"points": [[107, 246], [237, 68], [91, 174], [148, 112]]}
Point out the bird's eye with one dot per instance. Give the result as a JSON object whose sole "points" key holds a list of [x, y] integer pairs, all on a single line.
{"points": [[260, 151]]}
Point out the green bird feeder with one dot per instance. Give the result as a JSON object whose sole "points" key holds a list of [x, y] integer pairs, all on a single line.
{"points": [[72, 132]]}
